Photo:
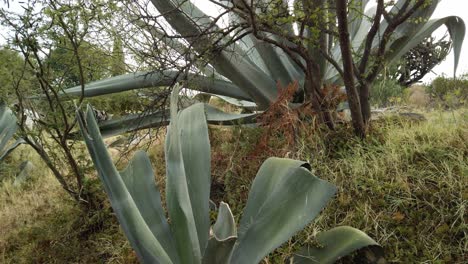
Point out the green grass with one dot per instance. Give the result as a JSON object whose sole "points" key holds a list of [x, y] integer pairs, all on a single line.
{"points": [[405, 185]]}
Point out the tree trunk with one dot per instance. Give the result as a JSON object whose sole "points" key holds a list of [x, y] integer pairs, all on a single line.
{"points": [[364, 90], [312, 90], [348, 70]]}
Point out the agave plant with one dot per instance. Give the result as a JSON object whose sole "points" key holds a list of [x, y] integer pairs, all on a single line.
{"points": [[285, 196], [249, 68], [8, 128]]}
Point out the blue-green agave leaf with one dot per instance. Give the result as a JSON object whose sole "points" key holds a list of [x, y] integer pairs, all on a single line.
{"points": [[148, 248], [228, 62], [141, 80], [8, 128], [281, 185], [356, 16], [6, 151], [139, 180], [223, 237], [188, 179], [135, 122], [335, 244]]}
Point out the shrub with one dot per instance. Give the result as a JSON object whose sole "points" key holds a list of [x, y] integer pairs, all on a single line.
{"points": [[449, 92]]}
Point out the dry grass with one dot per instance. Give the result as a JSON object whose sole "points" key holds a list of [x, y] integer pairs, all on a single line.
{"points": [[39, 223]]}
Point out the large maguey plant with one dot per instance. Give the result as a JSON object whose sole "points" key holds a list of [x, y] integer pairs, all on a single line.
{"points": [[285, 196], [268, 41]]}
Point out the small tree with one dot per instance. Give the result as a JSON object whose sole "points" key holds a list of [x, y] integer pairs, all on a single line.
{"points": [[53, 42]]}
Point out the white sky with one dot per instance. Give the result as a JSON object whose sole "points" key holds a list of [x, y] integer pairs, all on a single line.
{"points": [[445, 8]]}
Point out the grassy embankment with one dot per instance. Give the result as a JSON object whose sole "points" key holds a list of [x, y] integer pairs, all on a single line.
{"points": [[406, 186]]}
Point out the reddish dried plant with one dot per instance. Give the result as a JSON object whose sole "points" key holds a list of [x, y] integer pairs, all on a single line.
{"points": [[281, 120]]}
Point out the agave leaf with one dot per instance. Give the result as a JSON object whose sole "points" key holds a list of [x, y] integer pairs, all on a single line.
{"points": [[223, 237], [139, 180], [280, 185], [455, 26], [252, 80], [8, 128], [134, 122], [240, 103], [196, 156], [156, 79], [25, 172], [335, 244], [225, 225], [263, 186], [219, 251], [229, 63], [358, 38], [274, 61], [177, 46], [215, 116], [7, 125], [188, 179], [356, 17], [11, 147], [148, 248]]}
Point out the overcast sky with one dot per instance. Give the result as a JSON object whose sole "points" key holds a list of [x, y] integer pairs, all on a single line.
{"points": [[445, 8]]}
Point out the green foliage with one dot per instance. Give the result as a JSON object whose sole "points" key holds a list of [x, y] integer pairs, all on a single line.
{"points": [[386, 92], [280, 184], [120, 104], [14, 71], [449, 92], [57, 42], [118, 57], [63, 64]]}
